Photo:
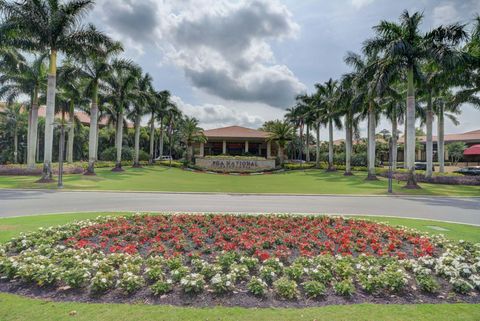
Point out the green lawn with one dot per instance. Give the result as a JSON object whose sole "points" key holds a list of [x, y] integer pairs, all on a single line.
{"points": [[14, 307], [177, 180]]}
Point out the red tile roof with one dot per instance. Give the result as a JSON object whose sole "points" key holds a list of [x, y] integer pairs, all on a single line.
{"points": [[471, 136], [235, 132]]}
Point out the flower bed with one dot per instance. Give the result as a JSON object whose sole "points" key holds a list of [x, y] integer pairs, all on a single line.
{"points": [[239, 260]]}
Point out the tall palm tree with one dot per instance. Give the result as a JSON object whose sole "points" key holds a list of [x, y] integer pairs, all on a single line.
{"points": [[120, 94], [191, 133], [20, 76], [350, 108], [158, 109], [143, 97], [365, 83], [96, 67], [53, 26], [394, 111], [281, 132], [172, 118], [331, 113], [404, 48]]}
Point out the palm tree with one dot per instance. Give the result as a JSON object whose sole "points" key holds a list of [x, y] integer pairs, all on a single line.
{"points": [[173, 116], [281, 132], [120, 94], [366, 96], [191, 133], [71, 89], [350, 108], [143, 98], [404, 48], [13, 118], [394, 111], [53, 26], [20, 76], [96, 67], [331, 113], [158, 109]]}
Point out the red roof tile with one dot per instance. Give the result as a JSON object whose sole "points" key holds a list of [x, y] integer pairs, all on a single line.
{"points": [[235, 132]]}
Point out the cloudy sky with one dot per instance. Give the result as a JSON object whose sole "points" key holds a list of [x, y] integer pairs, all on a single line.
{"points": [[242, 61]]}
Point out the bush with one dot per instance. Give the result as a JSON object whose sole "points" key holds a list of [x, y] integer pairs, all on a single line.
{"points": [[314, 289], [394, 278], [110, 154], [294, 272], [222, 283], [192, 283], [427, 283], [286, 288], [344, 288], [257, 286], [130, 282], [161, 287]]}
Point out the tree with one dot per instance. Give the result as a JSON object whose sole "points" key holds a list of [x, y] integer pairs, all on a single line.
{"points": [[330, 112], [143, 97], [455, 151], [120, 95], [96, 67], [50, 26], [281, 132], [20, 76], [191, 133], [13, 118], [158, 110], [367, 100], [404, 49]]}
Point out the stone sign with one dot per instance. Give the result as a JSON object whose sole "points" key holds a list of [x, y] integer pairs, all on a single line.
{"points": [[235, 164]]}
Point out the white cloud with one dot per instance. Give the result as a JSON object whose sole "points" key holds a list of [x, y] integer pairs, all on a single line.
{"points": [[216, 115], [445, 14], [361, 3]]}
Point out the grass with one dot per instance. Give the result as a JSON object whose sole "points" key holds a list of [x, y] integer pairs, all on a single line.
{"points": [[176, 180], [16, 308]]}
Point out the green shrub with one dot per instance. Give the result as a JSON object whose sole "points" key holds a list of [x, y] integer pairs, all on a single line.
{"points": [[294, 272], [394, 278], [102, 282], [192, 283], [344, 287], [427, 283], [161, 287], [314, 289], [286, 288], [179, 273], [257, 286], [461, 286], [110, 154], [222, 283], [130, 282]]}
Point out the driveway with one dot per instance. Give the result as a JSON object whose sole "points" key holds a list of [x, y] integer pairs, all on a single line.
{"points": [[29, 202]]}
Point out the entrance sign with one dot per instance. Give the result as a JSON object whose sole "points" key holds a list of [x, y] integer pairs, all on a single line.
{"points": [[235, 164]]}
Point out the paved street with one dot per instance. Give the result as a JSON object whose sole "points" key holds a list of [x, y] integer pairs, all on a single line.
{"points": [[28, 202]]}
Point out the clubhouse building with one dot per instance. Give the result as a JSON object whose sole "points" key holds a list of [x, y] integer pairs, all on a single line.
{"points": [[236, 148]]}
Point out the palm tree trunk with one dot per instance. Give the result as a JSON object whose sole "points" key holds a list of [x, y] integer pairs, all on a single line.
{"points": [[136, 162], [49, 118], [15, 145], [429, 145], [371, 143], [405, 141], [394, 140], [92, 135], [96, 140], [348, 146], [61, 147], [32, 142], [152, 139], [317, 147], [119, 142], [161, 139], [307, 145], [301, 141], [441, 138], [280, 154], [29, 128], [412, 182], [71, 133], [330, 146]]}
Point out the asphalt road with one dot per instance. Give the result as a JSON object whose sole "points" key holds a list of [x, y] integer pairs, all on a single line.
{"points": [[28, 202]]}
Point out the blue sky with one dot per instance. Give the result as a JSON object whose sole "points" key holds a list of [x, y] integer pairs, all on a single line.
{"points": [[241, 62]]}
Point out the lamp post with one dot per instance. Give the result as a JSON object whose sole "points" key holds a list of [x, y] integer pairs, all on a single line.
{"points": [[60, 154]]}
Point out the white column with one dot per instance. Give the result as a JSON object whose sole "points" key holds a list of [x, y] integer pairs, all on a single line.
{"points": [[202, 149], [224, 147], [246, 146], [269, 149]]}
